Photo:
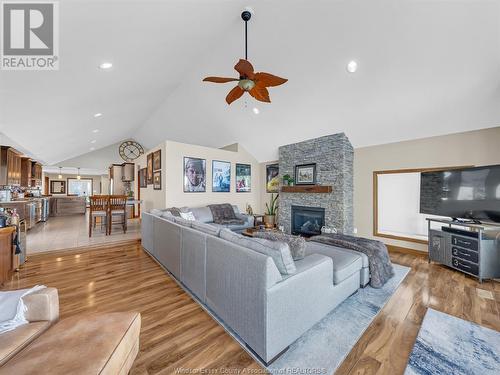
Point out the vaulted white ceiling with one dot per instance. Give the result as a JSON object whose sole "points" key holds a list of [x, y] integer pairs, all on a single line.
{"points": [[424, 68]]}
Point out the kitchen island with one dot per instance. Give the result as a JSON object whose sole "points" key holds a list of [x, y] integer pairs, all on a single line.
{"points": [[67, 205]]}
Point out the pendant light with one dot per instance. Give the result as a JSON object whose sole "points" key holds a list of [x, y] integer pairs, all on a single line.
{"points": [[78, 177], [60, 174]]}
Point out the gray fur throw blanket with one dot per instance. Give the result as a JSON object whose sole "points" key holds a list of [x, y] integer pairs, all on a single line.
{"points": [[378, 257], [224, 214]]}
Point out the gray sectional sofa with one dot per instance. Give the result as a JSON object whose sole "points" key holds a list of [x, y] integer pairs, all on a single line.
{"points": [[204, 214], [267, 299]]}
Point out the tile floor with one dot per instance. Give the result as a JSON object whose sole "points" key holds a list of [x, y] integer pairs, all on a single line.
{"points": [[65, 232]]}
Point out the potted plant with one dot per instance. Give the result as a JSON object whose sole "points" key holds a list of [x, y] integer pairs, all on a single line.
{"points": [[286, 180], [270, 215]]}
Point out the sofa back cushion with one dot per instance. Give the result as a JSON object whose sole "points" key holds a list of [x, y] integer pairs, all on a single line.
{"points": [[205, 228], [278, 251], [297, 244], [203, 214]]}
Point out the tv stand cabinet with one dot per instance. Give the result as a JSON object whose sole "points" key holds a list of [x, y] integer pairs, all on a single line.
{"points": [[471, 248]]}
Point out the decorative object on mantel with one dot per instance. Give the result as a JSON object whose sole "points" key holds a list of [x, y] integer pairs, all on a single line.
{"points": [[307, 189], [305, 174], [287, 180], [270, 214], [254, 83]]}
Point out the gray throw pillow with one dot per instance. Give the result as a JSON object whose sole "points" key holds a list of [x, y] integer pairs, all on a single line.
{"points": [[297, 244], [278, 251]]}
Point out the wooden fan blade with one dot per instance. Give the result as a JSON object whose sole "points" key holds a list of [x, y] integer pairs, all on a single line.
{"points": [[244, 68], [260, 93], [269, 80], [219, 79], [234, 94]]}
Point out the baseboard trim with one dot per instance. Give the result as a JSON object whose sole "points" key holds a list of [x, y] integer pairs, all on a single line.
{"points": [[86, 248], [405, 250]]}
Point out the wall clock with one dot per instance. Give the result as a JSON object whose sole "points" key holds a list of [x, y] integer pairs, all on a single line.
{"points": [[130, 150]]}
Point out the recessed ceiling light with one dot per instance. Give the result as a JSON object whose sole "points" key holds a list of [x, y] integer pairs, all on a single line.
{"points": [[105, 65], [92, 148], [98, 115], [256, 110], [93, 141], [95, 131], [352, 66]]}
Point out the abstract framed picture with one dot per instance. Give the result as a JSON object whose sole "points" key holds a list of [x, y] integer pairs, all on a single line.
{"points": [[243, 178], [305, 174], [149, 166], [195, 172], [157, 180], [221, 176], [157, 160], [272, 178], [143, 174]]}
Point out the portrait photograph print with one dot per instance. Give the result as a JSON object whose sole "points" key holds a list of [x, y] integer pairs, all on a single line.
{"points": [[221, 176], [157, 180], [195, 171], [305, 174], [243, 178], [272, 178]]}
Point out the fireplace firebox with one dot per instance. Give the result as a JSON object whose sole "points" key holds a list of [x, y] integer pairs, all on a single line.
{"points": [[307, 221]]}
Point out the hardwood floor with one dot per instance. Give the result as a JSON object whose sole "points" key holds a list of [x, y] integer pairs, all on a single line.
{"points": [[177, 333]]}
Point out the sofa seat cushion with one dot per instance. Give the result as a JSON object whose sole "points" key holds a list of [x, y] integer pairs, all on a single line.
{"points": [[345, 262], [319, 248], [233, 227], [278, 251], [12, 342], [84, 344]]}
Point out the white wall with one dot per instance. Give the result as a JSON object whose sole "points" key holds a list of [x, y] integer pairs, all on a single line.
{"points": [[481, 147], [175, 173], [152, 198], [172, 193]]}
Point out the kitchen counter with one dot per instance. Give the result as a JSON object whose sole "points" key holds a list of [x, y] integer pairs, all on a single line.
{"points": [[67, 205]]}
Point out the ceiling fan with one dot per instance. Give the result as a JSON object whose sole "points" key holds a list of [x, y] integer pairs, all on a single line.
{"points": [[255, 84]]}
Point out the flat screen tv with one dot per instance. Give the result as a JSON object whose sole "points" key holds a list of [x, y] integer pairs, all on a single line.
{"points": [[468, 193]]}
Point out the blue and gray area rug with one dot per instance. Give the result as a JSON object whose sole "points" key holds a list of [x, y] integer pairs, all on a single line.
{"points": [[449, 345], [323, 348]]}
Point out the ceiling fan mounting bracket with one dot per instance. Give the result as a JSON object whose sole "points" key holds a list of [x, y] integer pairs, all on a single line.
{"points": [[246, 15]]}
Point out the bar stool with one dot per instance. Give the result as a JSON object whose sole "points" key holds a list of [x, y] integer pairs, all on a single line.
{"points": [[98, 209], [117, 208]]}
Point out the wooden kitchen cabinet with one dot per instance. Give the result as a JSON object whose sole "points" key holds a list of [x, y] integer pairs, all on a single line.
{"points": [[26, 168], [36, 174], [10, 166], [6, 253]]}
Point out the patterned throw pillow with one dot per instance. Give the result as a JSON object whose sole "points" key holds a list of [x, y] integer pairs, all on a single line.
{"points": [[297, 244], [188, 216]]}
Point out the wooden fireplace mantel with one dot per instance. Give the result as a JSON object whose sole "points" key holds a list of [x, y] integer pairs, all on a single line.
{"points": [[307, 189]]}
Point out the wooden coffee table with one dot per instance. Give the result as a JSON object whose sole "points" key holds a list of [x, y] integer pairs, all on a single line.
{"points": [[249, 232]]}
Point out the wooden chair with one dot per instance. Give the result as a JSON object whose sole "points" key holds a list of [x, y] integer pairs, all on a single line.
{"points": [[99, 208], [117, 208]]}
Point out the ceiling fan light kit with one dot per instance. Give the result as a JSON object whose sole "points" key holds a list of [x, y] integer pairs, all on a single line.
{"points": [[255, 84]]}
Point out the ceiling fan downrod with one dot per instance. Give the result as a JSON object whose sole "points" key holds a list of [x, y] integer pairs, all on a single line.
{"points": [[246, 15]]}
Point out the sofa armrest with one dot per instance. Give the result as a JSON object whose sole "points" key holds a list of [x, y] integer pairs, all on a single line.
{"points": [[42, 305], [249, 220]]}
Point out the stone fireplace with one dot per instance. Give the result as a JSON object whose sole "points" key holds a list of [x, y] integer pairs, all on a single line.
{"points": [[333, 155]]}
